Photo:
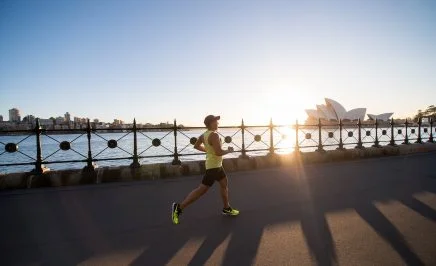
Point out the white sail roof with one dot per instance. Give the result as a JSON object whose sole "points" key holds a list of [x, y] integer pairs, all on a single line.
{"points": [[382, 117], [333, 110], [336, 107]]}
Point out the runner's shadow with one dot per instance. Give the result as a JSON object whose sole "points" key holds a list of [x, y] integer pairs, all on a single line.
{"points": [[369, 212], [245, 235]]}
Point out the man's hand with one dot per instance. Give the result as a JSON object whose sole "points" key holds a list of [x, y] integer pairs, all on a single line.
{"points": [[230, 149], [199, 144]]}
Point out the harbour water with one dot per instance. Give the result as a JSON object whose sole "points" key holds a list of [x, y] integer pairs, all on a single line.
{"points": [[284, 140]]}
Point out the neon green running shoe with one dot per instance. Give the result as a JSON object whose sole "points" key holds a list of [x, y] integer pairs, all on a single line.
{"points": [[230, 211], [175, 213]]}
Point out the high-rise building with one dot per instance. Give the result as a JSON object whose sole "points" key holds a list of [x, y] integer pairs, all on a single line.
{"points": [[46, 123], [28, 119], [1, 118], [14, 115], [59, 120], [67, 117], [118, 122]]}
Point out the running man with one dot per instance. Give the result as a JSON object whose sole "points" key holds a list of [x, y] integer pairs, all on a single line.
{"points": [[210, 143]]}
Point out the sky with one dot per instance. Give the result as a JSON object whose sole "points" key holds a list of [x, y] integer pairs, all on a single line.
{"points": [[157, 60]]}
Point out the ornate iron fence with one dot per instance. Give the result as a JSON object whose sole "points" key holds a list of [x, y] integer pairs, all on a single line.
{"points": [[177, 142]]}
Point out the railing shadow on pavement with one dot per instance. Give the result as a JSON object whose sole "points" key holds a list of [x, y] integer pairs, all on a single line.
{"points": [[238, 240], [76, 226]]}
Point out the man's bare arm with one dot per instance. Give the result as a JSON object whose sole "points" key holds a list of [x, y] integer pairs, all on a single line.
{"points": [[199, 144], [216, 144]]}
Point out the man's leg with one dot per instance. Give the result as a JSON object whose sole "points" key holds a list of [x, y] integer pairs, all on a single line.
{"points": [[194, 195], [176, 208], [224, 190]]}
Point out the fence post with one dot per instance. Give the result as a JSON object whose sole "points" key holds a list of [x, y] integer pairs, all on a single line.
{"points": [[39, 168], [135, 163], [406, 138], [271, 137], [89, 165], [430, 139], [297, 142], [176, 160], [376, 142], [341, 142], [392, 142], [359, 134], [419, 140], [243, 151], [320, 148]]}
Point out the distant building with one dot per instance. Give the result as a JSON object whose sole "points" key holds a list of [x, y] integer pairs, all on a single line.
{"points": [[59, 120], [14, 115], [46, 122], [101, 126], [96, 121], [381, 117], [118, 122], [334, 111], [165, 124], [79, 120], [67, 117], [1, 118], [30, 119]]}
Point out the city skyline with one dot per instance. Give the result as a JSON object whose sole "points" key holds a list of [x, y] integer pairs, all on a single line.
{"points": [[160, 60], [15, 117], [80, 119]]}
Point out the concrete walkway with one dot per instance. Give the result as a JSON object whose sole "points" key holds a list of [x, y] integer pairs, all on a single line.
{"points": [[369, 212]]}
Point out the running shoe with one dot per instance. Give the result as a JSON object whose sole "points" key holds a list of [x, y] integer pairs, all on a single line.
{"points": [[175, 213], [230, 211]]}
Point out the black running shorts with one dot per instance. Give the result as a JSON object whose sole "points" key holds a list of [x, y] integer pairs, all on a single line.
{"points": [[212, 175]]}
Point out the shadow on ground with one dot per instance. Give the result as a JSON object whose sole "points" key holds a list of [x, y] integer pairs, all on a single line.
{"points": [[70, 227]]}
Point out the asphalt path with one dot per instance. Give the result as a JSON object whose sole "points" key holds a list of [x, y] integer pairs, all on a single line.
{"points": [[368, 212]]}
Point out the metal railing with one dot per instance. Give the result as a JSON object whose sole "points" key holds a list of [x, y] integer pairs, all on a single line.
{"points": [[319, 136]]}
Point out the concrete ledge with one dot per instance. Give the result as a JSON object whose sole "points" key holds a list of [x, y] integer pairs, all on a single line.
{"points": [[266, 161], [336, 155], [66, 178], [230, 165], [166, 170], [111, 174], [416, 148], [244, 164], [391, 150], [287, 159], [14, 180], [192, 168]]}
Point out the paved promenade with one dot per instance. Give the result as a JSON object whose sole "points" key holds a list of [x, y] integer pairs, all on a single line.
{"points": [[369, 212]]}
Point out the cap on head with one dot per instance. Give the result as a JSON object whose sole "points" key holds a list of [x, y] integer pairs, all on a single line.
{"points": [[209, 119]]}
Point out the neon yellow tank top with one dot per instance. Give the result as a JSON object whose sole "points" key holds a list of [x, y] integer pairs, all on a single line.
{"points": [[212, 160]]}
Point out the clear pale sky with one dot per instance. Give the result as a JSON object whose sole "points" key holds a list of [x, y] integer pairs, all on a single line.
{"points": [[159, 60]]}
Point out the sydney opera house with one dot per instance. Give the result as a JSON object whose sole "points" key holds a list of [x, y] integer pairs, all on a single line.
{"points": [[334, 111]]}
